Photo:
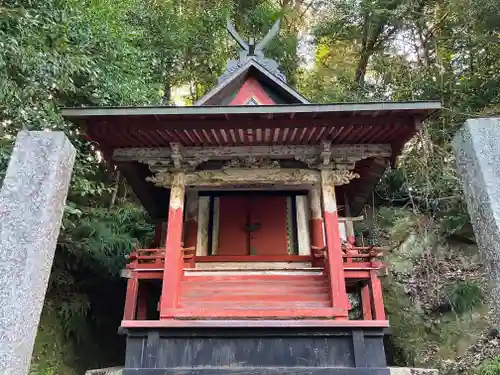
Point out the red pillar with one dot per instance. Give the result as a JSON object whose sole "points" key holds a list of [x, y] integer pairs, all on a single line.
{"points": [[191, 224], [316, 221], [131, 297], [378, 301], [172, 271], [366, 303], [340, 300], [142, 302]]}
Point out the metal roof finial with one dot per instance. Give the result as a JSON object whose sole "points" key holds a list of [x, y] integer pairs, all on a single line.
{"points": [[253, 50]]}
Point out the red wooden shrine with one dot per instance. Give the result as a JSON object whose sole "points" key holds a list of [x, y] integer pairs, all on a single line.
{"points": [[255, 192]]}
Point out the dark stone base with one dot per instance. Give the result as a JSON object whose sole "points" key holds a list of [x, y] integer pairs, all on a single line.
{"points": [[260, 371], [212, 351]]}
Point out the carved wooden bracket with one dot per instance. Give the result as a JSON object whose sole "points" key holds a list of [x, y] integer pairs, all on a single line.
{"points": [[325, 156]]}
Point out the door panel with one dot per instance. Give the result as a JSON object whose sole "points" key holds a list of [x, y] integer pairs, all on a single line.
{"points": [[268, 215], [233, 218]]}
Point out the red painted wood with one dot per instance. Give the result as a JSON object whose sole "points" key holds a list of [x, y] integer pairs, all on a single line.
{"points": [[366, 302], [258, 313], [255, 323], [150, 275], [233, 218], [378, 301], [254, 258], [255, 297], [173, 261], [142, 302], [248, 278], [190, 233], [272, 237], [354, 274], [238, 213], [251, 89], [131, 298], [317, 238], [335, 263]]}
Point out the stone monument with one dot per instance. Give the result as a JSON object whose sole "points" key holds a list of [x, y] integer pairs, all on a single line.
{"points": [[32, 201], [477, 150]]}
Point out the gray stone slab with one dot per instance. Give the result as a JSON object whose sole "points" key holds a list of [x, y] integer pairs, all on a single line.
{"points": [[412, 371], [32, 201], [477, 151], [112, 371]]}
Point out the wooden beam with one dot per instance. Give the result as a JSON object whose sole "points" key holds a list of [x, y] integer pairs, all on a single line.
{"points": [[265, 176], [275, 151], [255, 323]]}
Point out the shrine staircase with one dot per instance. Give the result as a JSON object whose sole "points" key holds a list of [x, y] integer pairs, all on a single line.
{"points": [[284, 294]]}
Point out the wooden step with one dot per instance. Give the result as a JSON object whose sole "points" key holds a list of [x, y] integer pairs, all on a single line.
{"points": [[250, 290], [253, 278], [256, 271], [192, 313]]}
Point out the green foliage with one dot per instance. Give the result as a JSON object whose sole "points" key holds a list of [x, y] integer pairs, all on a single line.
{"points": [[465, 295], [491, 367], [53, 354]]}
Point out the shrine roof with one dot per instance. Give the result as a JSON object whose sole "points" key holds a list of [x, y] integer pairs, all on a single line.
{"points": [[389, 123], [378, 122]]}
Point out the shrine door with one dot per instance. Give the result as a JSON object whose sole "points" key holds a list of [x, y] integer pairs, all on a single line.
{"points": [[252, 225]]}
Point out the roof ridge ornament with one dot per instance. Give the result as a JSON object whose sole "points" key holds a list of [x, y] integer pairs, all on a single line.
{"points": [[253, 51]]}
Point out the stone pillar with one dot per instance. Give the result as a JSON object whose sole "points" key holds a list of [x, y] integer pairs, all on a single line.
{"points": [[32, 201], [477, 152], [335, 262], [173, 254], [191, 224]]}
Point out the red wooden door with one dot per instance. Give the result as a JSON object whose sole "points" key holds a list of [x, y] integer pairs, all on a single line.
{"points": [[269, 215], [252, 225], [233, 218]]}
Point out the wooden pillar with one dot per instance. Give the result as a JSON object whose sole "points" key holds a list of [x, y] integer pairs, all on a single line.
{"points": [[316, 221], [378, 301], [335, 262], [191, 224], [158, 234], [203, 223], [366, 303], [131, 297], [173, 254], [142, 302], [349, 225]]}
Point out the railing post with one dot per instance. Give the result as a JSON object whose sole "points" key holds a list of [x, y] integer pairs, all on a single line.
{"points": [[131, 297], [142, 302], [366, 303], [335, 261], [378, 300], [173, 255]]}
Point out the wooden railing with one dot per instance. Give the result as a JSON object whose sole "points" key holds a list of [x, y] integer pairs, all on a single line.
{"points": [[361, 269]]}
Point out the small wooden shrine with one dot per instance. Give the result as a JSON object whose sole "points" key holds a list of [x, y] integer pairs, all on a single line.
{"points": [[254, 191]]}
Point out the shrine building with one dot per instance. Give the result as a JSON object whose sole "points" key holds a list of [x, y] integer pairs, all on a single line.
{"points": [[254, 191]]}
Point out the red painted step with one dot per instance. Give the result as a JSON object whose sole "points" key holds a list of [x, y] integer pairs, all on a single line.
{"points": [[255, 295]]}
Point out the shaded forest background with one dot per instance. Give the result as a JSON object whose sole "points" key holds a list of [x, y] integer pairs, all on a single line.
{"points": [[143, 52]]}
